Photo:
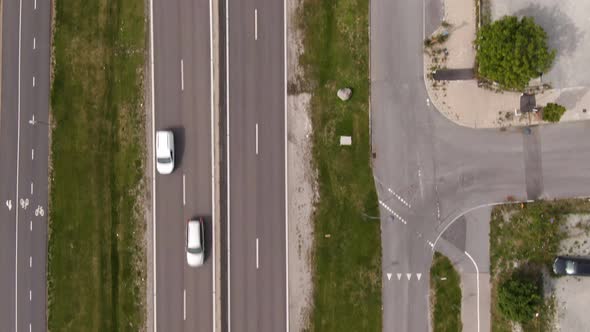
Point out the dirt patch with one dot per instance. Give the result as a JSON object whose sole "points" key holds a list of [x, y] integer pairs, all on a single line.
{"points": [[301, 182]]}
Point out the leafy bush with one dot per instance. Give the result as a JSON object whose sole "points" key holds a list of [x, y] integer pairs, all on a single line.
{"points": [[553, 112], [511, 52], [519, 297]]}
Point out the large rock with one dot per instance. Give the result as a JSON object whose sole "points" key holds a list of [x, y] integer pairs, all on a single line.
{"points": [[344, 94]]}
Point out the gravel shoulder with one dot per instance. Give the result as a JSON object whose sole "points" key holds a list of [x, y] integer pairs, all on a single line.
{"points": [[301, 183]]}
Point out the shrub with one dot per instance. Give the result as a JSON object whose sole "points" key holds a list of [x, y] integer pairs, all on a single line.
{"points": [[519, 297], [553, 112], [511, 51]]}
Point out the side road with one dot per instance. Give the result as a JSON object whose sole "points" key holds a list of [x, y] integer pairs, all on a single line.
{"points": [[466, 243]]}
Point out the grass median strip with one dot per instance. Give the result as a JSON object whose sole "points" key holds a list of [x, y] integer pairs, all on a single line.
{"points": [[96, 267], [445, 290], [347, 253]]}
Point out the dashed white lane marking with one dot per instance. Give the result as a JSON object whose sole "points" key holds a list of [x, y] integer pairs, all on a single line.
{"points": [[31, 188], [33, 80], [181, 74], [399, 198], [184, 304], [256, 138], [34, 43], [31, 226], [257, 253], [30, 261], [30, 295], [430, 244], [32, 154], [255, 24], [30, 327], [183, 189], [427, 102], [35, 5], [392, 212]]}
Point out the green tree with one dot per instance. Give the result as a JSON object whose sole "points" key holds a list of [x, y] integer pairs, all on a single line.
{"points": [[553, 112], [511, 51], [519, 297]]}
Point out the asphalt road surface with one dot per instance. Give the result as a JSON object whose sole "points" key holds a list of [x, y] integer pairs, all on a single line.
{"points": [[429, 171], [256, 166], [182, 83], [23, 165]]}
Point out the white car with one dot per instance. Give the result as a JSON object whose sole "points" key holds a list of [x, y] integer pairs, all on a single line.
{"points": [[164, 152], [195, 246]]}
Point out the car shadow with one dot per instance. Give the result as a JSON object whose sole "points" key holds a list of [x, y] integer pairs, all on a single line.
{"points": [[179, 144]]}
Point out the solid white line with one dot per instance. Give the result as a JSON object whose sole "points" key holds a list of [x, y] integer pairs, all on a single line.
{"points": [[17, 168], [228, 165], [286, 168], [154, 295], [183, 189], [212, 116], [181, 74], [257, 139], [30, 261], [255, 24], [34, 43], [184, 304], [32, 154], [31, 188], [257, 253], [477, 286]]}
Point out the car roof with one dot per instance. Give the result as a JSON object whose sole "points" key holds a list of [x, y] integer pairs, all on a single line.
{"points": [[163, 142], [194, 234]]}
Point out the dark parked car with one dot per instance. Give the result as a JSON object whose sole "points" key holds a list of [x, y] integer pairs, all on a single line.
{"points": [[571, 266]]}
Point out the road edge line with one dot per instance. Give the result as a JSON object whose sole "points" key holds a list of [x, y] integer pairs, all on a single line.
{"points": [[286, 166], [477, 286], [20, 10], [227, 148], [153, 124]]}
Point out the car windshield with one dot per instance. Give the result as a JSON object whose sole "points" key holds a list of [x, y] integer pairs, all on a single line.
{"points": [[196, 250], [570, 267], [165, 160]]}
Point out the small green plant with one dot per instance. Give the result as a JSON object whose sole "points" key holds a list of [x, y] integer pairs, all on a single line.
{"points": [[553, 112], [520, 297]]}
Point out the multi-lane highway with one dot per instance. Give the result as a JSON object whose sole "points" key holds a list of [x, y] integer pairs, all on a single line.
{"points": [[430, 171], [23, 164], [255, 114], [182, 102]]}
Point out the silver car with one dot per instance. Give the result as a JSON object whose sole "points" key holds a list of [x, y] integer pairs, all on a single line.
{"points": [[164, 151], [195, 244]]}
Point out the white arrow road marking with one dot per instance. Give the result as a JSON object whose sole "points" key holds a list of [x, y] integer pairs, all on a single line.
{"points": [[419, 275], [408, 275], [399, 276], [388, 276], [9, 204]]}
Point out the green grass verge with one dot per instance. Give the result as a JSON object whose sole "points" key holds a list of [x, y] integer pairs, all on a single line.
{"points": [[527, 237], [445, 287], [96, 265], [347, 264]]}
